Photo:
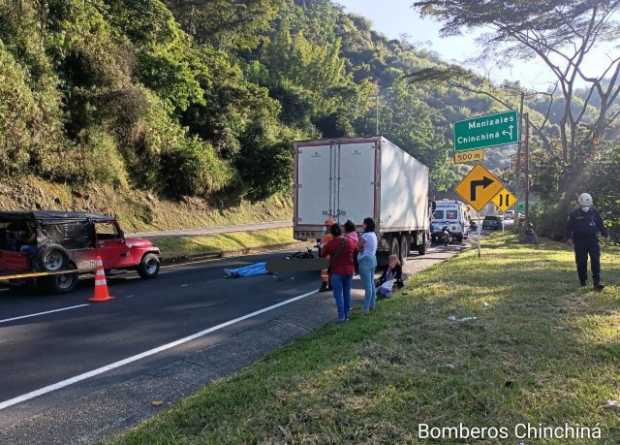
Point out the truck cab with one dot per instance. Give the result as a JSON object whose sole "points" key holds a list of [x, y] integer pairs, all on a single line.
{"points": [[454, 216]]}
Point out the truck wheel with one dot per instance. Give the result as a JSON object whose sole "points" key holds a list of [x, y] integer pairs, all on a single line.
{"points": [[149, 266], [404, 249], [422, 247], [395, 247]]}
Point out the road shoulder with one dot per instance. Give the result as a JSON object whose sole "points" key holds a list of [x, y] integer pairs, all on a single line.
{"points": [[495, 349]]}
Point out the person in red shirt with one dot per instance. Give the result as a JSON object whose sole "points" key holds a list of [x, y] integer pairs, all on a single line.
{"points": [[341, 251]]}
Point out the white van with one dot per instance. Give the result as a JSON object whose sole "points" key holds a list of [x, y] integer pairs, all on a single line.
{"points": [[452, 214]]}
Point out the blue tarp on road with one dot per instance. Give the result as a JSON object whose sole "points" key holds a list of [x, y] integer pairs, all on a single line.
{"points": [[253, 270]]}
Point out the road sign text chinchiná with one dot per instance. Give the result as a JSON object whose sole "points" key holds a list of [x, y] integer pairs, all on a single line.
{"points": [[486, 131]]}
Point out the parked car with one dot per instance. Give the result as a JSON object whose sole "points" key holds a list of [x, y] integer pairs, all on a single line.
{"points": [[492, 223], [54, 241]]}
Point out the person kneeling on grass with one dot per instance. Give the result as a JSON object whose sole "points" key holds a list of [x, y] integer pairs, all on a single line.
{"points": [[391, 279]]}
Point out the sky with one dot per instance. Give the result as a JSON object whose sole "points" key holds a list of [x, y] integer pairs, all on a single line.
{"points": [[396, 18]]}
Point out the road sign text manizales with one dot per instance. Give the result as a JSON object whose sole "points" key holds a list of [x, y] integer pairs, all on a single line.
{"points": [[486, 131]]}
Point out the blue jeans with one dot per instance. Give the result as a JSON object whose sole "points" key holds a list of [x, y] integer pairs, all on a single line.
{"points": [[341, 285], [367, 265]]}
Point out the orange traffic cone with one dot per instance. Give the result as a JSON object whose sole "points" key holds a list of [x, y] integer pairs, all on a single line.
{"points": [[101, 285]]}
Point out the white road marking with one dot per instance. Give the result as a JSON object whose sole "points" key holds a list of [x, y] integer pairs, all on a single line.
{"points": [[95, 372], [68, 308]]}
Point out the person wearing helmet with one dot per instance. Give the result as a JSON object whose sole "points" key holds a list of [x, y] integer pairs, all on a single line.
{"points": [[584, 225], [327, 237]]}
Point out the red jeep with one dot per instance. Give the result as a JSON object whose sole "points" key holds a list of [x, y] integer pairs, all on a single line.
{"points": [[53, 241]]}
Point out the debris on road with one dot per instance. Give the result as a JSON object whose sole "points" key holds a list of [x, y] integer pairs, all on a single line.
{"points": [[253, 270]]}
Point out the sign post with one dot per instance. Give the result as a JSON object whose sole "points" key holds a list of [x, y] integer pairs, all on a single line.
{"points": [[527, 169], [486, 131], [471, 137]]}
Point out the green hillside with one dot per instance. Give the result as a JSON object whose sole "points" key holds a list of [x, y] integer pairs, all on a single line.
{"points": [[203, 98]]}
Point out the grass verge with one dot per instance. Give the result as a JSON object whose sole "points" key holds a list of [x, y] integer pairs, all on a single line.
{"points": [[541, 350], [179, 246]]}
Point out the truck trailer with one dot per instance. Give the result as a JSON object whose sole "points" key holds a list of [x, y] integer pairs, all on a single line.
{"points": [[355, 178]]}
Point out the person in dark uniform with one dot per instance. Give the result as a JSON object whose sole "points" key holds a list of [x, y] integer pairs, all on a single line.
{"points": [[584, 225]]}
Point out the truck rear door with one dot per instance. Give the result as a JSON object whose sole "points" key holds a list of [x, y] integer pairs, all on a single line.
{"points": [[315, 188], [356, 181]]}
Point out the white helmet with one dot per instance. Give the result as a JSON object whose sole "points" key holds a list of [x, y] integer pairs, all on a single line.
{"points": [[585, 200]]}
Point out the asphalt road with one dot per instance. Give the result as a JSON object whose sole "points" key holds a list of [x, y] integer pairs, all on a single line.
{"points": [[42, 352]]}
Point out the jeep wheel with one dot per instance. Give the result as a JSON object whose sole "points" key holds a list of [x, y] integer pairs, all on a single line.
{"points": [[52, 259], [149, 266], [62, 284]]}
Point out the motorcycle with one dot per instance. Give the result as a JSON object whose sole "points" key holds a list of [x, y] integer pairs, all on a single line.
{"points": [[307, 255], [445, 237]]}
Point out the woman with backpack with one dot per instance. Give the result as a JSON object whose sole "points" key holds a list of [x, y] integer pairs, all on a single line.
{"points": [[341, 252]]}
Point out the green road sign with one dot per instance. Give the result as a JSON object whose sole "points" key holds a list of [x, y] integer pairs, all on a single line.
{"points": [[521, 207], [486, 131]]}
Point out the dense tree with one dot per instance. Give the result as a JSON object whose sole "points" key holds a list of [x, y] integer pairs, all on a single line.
{"points": [[204, 97], [560, 34], [229, 25]]}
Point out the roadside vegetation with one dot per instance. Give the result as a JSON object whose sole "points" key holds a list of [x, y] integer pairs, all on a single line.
{"points": [[575, 138], [182, 246], [139, 210], [540, 349], [203, 99], [183, 100]]}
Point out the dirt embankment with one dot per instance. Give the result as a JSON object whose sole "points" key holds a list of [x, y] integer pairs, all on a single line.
{"points": [[137, 210]]}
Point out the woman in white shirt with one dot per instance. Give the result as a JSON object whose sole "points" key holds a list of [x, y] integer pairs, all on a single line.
{"points": [[367, 261]]}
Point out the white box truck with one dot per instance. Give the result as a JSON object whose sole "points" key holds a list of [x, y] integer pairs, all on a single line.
{"points": [[352, 179]]}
